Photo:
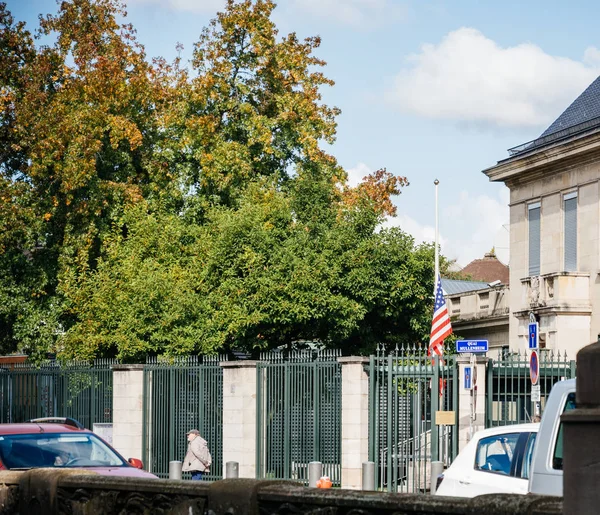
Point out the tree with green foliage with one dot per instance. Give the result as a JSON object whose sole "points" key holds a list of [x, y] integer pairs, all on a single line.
{"points": [[149, 209]]}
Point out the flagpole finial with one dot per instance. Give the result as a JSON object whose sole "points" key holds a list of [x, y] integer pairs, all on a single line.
{"points": [[436, 182]]}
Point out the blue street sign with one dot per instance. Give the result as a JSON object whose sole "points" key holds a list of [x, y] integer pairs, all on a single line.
{"points": [[471, 345], [533, 335], [468, 378]]}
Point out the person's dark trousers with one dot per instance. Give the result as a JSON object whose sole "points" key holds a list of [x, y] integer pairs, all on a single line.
{"points": [[196, 475]]}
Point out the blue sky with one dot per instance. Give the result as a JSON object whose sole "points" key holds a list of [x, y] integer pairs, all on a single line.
{"points": [[427, 89]]}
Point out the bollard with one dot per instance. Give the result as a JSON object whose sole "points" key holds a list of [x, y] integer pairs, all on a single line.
{"points": [[368, 475], [175, 469], [232, 470], [315, 471], [437, 469]]}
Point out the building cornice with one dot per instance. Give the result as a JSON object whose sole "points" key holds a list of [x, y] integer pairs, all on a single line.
{"points": [[555, 309], [532, 166]]}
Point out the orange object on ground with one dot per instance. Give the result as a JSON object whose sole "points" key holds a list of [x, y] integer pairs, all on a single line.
{"points": [[324, 482]]}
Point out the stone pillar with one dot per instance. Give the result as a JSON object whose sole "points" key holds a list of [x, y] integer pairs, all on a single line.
{"points": [[239, 416], [581, 452], [128, 415], [478, 394], [355, 420]]}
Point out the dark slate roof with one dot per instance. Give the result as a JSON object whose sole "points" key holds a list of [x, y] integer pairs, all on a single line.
{"points": [[454, 286], [585, 108], [581, 117]]}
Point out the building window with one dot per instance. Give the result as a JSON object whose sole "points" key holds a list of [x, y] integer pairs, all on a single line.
{"points": [[484, 300], [534, 212], [570, 208]]}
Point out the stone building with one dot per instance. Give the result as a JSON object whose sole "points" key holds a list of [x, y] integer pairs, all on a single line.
{"points": [[555, 229], [478, 306]]}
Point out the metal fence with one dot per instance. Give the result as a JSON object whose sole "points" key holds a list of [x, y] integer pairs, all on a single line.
{"points": [[509, 385], [406, 390], [299, 412], [80, 390], [179, 396]]}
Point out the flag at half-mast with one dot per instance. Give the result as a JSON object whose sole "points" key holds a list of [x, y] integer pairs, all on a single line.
{"points": [[440, 326]]}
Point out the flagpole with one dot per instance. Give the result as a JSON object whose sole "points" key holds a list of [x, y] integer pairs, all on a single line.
{"points": [[437, 240]]}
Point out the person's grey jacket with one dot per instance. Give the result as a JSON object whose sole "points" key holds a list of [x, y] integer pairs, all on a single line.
{"points": [[197, 456]]}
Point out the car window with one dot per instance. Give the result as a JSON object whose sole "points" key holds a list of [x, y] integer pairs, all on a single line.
{"points": [[26, 451], [495, 453], [528, 456], [557, 458]]}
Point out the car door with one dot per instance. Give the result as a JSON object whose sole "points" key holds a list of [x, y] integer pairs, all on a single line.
{"points": [[495, 467]]}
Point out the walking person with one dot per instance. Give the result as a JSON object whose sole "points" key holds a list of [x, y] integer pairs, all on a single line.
{"points": [[197, 459]]}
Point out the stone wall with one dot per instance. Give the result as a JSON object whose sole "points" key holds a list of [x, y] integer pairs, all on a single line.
{"points": [[128, 415], [46, 491]]}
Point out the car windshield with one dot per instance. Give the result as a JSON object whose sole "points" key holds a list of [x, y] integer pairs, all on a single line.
{"points": [[69, 450]]}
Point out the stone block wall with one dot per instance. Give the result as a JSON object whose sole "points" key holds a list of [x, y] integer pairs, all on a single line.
{"points": [[47, 491], [128, 416]]}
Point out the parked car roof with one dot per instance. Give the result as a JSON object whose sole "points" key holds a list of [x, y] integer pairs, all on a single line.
{"points": [[32, 427]]}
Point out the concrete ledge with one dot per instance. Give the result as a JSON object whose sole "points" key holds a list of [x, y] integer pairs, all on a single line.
{"points": [[122, 368], [239, 364], [52, 491], [352, 360]]}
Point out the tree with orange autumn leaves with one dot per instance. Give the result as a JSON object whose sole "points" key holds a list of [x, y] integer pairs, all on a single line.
{"points": [[148, 208]]}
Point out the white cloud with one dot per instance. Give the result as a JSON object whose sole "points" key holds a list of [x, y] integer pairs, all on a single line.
{"points": [[357, 174], [195, 6], [468, 228], [422, 233], [357, 13], [468, 77], [475, 224]]}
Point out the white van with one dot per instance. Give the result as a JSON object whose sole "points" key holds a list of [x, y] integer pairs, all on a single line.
{"points": [[547, 463]]}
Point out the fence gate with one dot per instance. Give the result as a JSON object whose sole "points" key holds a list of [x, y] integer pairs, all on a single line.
{"points": [[509, 385], [299, 413], [179, 396], [406, 389], [80, 390]]}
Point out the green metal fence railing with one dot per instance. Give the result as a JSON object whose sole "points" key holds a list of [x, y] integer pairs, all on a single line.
{"points": [[76, 389], [178, 396], [509, 385], [299, 412], [406, 389]]}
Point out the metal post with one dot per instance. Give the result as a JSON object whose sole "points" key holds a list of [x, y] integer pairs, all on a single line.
{"points": [[435, 402], [368, 475], [437, 468], [315, 471], [437, 241], [175, 469], [232, 470]]}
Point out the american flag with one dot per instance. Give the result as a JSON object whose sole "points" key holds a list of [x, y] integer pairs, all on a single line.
{"points": [[440, 326]]}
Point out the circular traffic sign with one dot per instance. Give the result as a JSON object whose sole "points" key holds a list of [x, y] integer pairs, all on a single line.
{"points": [[534, 367]]}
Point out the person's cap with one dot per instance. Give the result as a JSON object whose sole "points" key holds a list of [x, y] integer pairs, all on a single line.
{"points": [[193, 432]]}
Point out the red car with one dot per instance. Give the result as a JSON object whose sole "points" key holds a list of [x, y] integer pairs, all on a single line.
{"points": [[62, 443]]}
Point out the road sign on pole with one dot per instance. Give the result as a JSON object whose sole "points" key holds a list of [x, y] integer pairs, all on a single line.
{"points": [[534, 367], [533, 335], [471, 345], [468, 378]]}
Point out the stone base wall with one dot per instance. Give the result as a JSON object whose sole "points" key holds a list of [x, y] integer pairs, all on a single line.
{"points": [[48, 491]]}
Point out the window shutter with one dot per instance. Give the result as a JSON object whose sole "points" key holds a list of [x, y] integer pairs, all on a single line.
{"points": [[570, 233], [534, 239]]}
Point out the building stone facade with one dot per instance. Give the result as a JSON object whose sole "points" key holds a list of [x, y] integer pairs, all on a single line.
{"points": [[555, 229], [481, 315]]}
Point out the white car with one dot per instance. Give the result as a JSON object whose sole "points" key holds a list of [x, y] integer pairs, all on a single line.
{"points": [[547, 467], [496, 460]]}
